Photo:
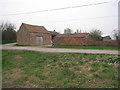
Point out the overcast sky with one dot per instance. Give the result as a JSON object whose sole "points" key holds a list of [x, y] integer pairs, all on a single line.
{"points": [[101, 16]]}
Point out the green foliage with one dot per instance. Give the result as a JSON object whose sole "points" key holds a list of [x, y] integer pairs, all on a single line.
{"points": [[89, 47], [10, 41], [67, 73], [8, 32], [95, 66], [58, 70]]}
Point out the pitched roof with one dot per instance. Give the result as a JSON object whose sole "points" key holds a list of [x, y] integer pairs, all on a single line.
{"points": [[107, 36], [34, 28], [82, 35]]}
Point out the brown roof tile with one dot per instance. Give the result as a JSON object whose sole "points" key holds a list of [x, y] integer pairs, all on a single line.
{"points": [[36, 29], [82, 35]]}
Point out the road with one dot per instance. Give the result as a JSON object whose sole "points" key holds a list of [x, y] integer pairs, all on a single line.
{"points": [[41, 49]]}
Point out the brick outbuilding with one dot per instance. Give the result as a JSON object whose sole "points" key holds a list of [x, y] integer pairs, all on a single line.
{"points": [[72, 39], [79, 39], [33, 35]]}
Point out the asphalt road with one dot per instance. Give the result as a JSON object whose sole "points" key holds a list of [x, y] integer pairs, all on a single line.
{"points": [[40, 49]]}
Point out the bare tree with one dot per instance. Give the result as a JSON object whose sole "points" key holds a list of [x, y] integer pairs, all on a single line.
{"points": [[77, 31], [96, 34], [116, 35], [80, 31]]}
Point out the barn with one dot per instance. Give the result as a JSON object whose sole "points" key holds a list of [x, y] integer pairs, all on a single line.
{"points": [[33, 35]]}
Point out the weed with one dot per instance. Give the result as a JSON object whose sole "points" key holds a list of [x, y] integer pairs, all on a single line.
{"points": [[67, 70]]}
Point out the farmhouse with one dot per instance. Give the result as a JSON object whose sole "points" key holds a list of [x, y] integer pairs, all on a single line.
{"points": [[33, 35]]}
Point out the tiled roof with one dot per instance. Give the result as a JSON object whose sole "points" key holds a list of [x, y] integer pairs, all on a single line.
{"points": [[82, 35], [35, 29]]}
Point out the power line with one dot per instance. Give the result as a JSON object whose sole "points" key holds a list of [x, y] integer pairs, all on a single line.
{"points": [[56, 9], [79, 19], [70, 20]]}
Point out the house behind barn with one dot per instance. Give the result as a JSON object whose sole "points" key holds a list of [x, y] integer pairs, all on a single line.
{"points": [[33, 35]]}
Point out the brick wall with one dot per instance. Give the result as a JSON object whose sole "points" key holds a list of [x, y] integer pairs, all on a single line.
{"points": [[26, 38], [23, 36], [46, 38], [61, 41]]}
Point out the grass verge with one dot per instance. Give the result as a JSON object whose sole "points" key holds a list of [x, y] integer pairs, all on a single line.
{"points": [[109, 47], [30, 69]]}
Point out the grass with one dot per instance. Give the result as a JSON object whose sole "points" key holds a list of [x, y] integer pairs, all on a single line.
{"points": [[21, 45], [59, 70], [5, 42], [110, 47], [0, 69]]}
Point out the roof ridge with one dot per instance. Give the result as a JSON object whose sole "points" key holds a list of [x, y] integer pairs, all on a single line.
{"points": [[35, 28], [32, 25], [74, 33]]}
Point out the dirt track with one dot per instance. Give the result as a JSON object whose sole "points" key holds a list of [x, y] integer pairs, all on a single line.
{"points": [[40, 49]]}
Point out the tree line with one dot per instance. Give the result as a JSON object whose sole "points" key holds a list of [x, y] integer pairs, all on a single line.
{"points": [[8, 32]]}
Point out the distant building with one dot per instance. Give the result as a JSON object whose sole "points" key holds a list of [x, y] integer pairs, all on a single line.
{"points": [[33, 35], [106, 38]]}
